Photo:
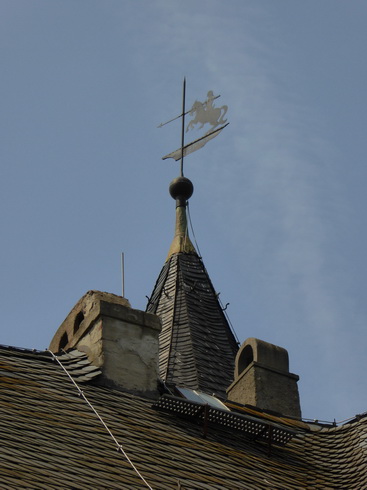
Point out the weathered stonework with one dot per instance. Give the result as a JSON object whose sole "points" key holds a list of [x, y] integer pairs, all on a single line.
{"points": [[263, 380], [121, 341]]}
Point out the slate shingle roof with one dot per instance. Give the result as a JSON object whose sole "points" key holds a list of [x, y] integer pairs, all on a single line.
{"points": [[50, 438], [197, 347]]}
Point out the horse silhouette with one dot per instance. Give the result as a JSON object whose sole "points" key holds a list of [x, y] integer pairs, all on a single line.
{"points": [[207, 113]]}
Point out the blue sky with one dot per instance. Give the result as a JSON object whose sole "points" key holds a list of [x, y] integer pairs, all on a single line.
{"points": [[279, 203]]}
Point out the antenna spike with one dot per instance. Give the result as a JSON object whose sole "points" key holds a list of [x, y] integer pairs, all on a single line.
{"points": [[122, 275]]}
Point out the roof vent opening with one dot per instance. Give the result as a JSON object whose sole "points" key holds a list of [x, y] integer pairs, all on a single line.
{"points": [[245, 359], [78, 320], [63, 341]]}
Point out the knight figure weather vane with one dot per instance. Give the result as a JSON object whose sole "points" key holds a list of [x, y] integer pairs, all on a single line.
{"points": [[202, 113]]}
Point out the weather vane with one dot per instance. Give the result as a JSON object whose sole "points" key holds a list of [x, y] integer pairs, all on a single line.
{"points": [[202, 113]]}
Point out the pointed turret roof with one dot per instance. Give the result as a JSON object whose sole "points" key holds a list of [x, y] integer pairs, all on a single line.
{"points": [[197, 346]]}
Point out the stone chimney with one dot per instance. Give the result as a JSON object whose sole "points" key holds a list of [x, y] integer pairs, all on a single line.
{"points": [[262, 379], [121, 341]]}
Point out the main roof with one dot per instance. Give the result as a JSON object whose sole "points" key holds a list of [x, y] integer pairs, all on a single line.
{"points": [[60, 433], [197, 346]]}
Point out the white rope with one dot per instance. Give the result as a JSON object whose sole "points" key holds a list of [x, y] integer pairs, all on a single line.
{"points": [[81, 393]]}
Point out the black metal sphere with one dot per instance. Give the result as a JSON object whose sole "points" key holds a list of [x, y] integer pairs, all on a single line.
{"points": [[181, 188]]}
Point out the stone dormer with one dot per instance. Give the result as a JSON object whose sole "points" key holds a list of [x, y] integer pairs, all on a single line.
{"points": [[119, 340], [262, 379]]}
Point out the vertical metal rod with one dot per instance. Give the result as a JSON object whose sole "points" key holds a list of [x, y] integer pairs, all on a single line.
{"points": [[206, 416], [122, 274], [183, 125], [270, 435]]}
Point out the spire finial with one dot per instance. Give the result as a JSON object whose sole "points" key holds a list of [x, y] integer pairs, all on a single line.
{"points": [[181, 189]]}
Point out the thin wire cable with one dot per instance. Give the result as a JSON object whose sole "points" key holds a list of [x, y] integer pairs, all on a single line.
{"points": [[335, 423], [81, 393], [229, 321], [192, 229], [219, 300], [232, 328]]}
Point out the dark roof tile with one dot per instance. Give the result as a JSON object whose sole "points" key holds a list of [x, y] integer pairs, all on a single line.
{"points": [[52, 439], [197, 346]]}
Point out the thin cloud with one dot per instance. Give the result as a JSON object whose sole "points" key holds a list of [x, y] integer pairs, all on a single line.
{"points": [[282, 198]]}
